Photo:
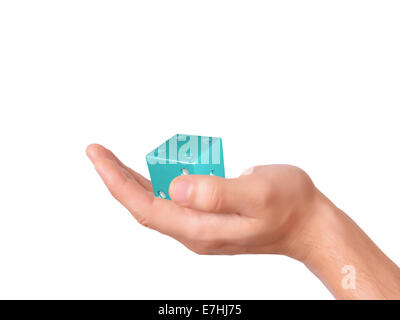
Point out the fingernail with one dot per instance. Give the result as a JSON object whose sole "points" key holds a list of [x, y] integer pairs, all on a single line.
{"points": [[181, 190], [247, 171]]}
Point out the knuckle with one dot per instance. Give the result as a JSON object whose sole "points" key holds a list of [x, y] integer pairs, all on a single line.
{"points": [[215, 201], [200, 240], [203, 248], [142, 219], [114, 192], [199, 251]]}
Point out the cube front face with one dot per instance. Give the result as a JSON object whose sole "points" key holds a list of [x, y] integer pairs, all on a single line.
{"points": [[184, 154]]}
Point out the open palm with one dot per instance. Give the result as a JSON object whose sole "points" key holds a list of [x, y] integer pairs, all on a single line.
{"points": [[254, 213]]}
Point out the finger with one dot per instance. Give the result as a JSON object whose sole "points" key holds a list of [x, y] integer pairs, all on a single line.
{"points": [[211, 194], [124, 188], [164, 215], [186, 224], [96, 151]]}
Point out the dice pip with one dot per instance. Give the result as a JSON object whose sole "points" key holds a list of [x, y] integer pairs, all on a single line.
{"points": [[181, 155]]}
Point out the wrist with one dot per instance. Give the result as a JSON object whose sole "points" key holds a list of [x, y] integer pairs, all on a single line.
{"points": [[317, 225], [330, 244]]}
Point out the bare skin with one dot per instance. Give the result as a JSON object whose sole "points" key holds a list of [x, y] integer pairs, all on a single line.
{"points": [[268, 209]]}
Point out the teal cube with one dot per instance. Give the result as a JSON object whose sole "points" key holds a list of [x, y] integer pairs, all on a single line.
{"points": [[184, 154]]}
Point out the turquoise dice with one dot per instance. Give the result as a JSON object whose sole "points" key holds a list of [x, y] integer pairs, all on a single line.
{"points": [[181, 155]]}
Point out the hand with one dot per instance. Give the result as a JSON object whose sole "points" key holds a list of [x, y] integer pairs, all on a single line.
{"points": [[268, 209], [262, 211]]}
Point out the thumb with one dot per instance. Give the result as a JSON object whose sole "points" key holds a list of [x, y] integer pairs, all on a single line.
{"points": [[209, 193]]}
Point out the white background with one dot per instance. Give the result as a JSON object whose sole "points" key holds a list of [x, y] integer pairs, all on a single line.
{"points": [[310, 83]]}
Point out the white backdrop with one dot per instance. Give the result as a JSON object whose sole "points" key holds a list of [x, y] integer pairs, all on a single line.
{"points": [[310, 83]]}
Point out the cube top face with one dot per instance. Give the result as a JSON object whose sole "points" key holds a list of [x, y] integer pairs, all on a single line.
{"points": [[181, 155]]}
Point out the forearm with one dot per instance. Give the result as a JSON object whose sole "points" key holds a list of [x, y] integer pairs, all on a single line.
{"points": [[345, 259]]}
